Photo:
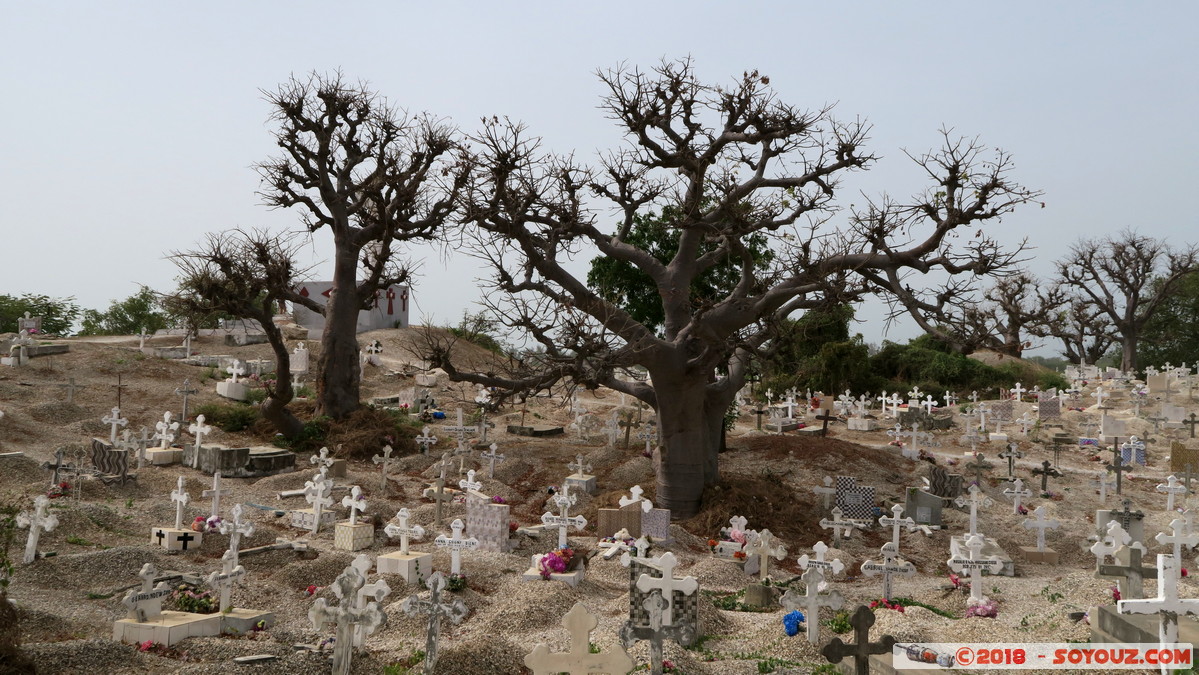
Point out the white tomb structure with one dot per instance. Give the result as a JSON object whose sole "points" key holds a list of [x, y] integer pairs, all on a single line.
{"points": [[390, 310]]}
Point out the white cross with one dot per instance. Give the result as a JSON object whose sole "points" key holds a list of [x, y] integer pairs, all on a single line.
{"points": [[896, 522], [827, 491], [882, 400], [460, 430], [146, 604], [764, 547], [826, 568], [837, 525], [977, 499], [323, 459], [216, 493], [1108, 545], [470, 483], [455, 611], [115, 420], [236, 529], [236, 370], [1167, 604], [1172, 487], [642, 546], [165, 431], [891, 565], [579, 660], [1104, 483], [895, 403], [1180, 535], [1099, 395], [375, 591], [738, 523], [635, 497], [383, 459], [316, 493], [1040, 524], [492, 456], [199, 430], [790, 404], [181, 499], [223, 581], [403, 530], [667, 583], [355, 502], [1016, 493], [563, 500], [951, 399], [1025, 421], [456, 544], [975, 565], [929, 403], [914, 394], [581, 468], [37, 521], [425, 440], [346, 616], [1018, 390], [812, 601]]}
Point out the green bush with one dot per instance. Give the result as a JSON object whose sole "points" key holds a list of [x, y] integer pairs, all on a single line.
{"points": [[58, 314], [142, 310], [186, 598], [231, 417]]}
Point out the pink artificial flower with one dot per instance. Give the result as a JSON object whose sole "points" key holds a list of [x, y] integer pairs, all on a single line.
{"points": [[737, 536]]}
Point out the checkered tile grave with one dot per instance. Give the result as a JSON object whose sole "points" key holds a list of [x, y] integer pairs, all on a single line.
{"points": [[1001, 411], [1181, 456], [1050, 408], [855, 501], [686, 607], [488, 523]]}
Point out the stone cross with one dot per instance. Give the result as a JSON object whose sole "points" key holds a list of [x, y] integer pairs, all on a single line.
{"points": [[1134, 573], [1016, 493], [215, 493], [455, 610], [891, 565], [483, 399], [895, 402], [439, 493], [322, 459], [403, 530], [186, 392], [977, 499], [1167, 605], [115, 420], [236, 529], [1099, 396], [563, 500], [578, 660], [861, 621], [492, 456], [837, 525], [460, 430], [975, 565], [375, 591], [119, 387], [425, 440], [764, 546], [827, 568], [346, 616], [37, 521], [1025, 421], [1180, 535], [181, 499], [1011, 454], [1103, 483], [1192, 422], [1018, 392], [355, 502], [657, 632], [1172, 487], [383, 459], [70, 386], [980, 464], [1117, 466], [914, 394], [146, 604], [470, 483], [580, 467], [827, 491], [223, 581], [1040, 524], [929, 403], [667, 583], [650, 433], [199, 430], [635, 497], [1045, 472], [456, 544], [316, 493], [896, 522], [56, 467], [236, 370], [812, 601], [165, 431]]}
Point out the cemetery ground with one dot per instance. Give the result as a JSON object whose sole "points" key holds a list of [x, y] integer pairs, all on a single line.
{"points": [[68, 601]]}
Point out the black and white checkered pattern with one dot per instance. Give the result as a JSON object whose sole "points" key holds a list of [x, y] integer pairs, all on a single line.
{"points": [[686, 607], [855, 501]]}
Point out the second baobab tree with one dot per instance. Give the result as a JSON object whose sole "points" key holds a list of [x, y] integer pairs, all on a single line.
{"points": [[721, 165]]}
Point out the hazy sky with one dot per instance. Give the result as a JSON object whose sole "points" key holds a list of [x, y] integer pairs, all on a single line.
{"points": [[130, 129]]}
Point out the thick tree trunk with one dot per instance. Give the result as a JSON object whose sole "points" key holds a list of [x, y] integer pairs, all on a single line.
{"points": [[338, 370], [274, 408], [690, 420], [1128, 361]]}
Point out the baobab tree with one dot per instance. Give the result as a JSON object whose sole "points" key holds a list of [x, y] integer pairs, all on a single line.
{"points": [[372, 176], [1085, 331], [1126, 276], [722, 165]]}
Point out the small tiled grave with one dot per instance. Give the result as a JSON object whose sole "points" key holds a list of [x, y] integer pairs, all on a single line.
{"points": [[147, 620]]}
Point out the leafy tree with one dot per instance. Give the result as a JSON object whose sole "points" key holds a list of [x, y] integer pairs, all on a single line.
{"points": [[1171, 335], [816, 351], [1127, 277], [733, 163], [370, 176], [142, 310], [58, 314]]}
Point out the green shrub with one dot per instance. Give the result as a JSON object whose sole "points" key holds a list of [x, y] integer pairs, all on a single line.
{"points": [[230, 417], [186, 598]]}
